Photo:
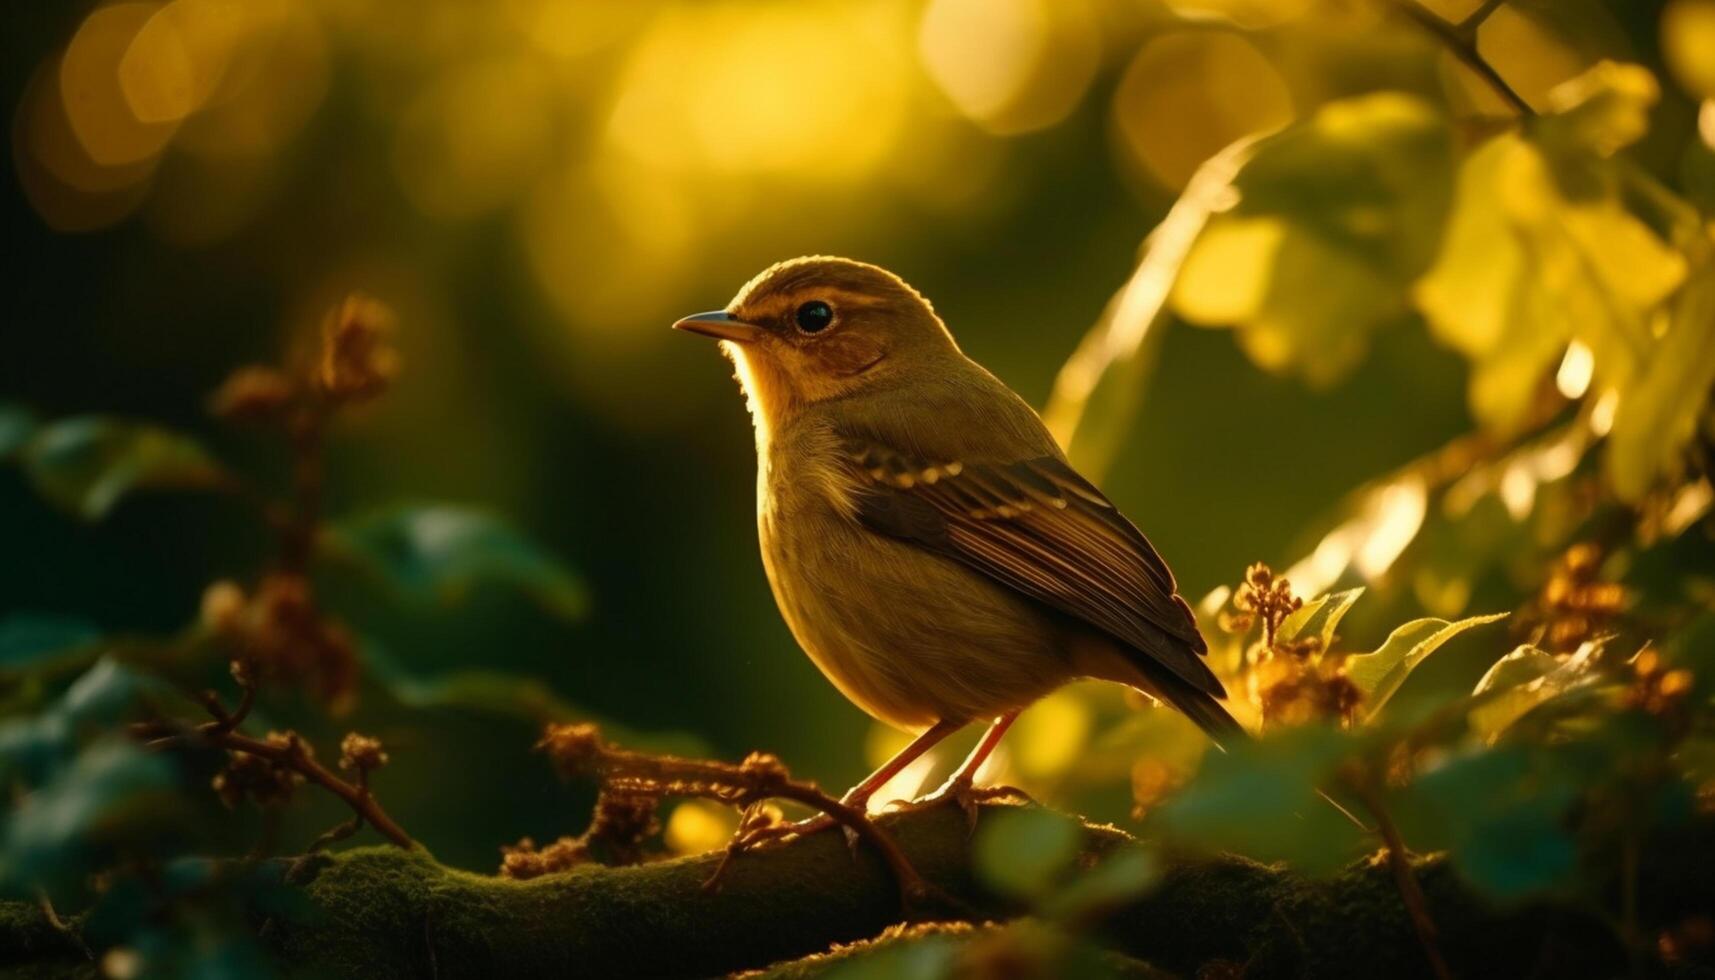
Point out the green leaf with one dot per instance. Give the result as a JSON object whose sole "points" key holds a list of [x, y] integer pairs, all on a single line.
{"points": [[1380, 674], [1120, 876], [33, 747], [1502, 815], [86, 465], [1319, 617], [26, 639], [1021, 851], [438, 553], [17, 423], [112, 792], [1260, 799], [1524, 679]]}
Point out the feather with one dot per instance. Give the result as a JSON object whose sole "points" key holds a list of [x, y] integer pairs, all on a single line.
{"points": [[1039, 528]]}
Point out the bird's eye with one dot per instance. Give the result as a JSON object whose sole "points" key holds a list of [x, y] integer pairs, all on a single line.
{"points": [[814, 316]]}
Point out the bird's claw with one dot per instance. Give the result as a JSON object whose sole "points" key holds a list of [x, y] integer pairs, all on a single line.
{"points": [[967, 795]]}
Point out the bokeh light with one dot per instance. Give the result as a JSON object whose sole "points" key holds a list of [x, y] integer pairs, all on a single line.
{"points": [[1190, 93], [1010, 65]]}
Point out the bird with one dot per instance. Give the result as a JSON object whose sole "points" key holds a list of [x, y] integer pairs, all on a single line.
{"points": [[926, 539]]}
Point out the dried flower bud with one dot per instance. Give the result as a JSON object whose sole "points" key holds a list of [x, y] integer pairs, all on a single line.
{"points": [[223, 607], [361, 753], [764, 769], [252, 394], [522, 861], [572, 747], [253, 777], [620, 826], [356, 361]]}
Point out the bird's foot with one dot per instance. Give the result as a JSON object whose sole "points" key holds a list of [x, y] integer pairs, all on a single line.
{"points": [[967, 795]]}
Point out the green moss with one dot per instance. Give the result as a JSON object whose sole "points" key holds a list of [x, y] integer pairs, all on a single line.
{"points": [[381, 912]]}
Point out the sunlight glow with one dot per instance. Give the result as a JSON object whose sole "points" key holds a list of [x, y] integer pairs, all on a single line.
{"points": [[1370, 542], [1576, 370], [757, 90], [1010, 65], [1602, 415]]}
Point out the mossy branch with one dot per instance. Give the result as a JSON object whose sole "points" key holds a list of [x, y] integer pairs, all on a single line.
{"points": [[385, 912]]}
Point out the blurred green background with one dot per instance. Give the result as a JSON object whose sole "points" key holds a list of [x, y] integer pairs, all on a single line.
{"points": [[538, 187]]}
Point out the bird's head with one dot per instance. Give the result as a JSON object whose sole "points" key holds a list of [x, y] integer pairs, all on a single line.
{"points": [[816, 328]]}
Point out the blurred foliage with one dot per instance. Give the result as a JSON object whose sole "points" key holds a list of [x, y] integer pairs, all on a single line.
{"points": [[1478, 232]]}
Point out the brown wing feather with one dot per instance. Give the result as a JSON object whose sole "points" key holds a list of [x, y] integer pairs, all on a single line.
{"points": [[1038, 527]]}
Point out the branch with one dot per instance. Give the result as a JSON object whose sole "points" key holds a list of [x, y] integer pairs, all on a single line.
{"points": [[381, 912], [289, 755], [1460, 40]]}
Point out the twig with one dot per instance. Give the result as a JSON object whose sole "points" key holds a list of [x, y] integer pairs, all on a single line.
{"points": [[290, 756], [1399, 860], [1476, 18], [761, 777], [1461, 41]]}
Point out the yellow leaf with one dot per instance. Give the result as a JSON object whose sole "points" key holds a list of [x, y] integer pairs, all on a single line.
{"points": [[1226, 277]]}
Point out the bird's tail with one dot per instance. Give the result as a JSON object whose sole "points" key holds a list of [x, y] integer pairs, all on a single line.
{"points": [[1221, 727], [1198, 705]]}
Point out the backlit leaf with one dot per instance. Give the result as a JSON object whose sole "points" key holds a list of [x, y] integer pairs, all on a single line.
{"points": [[1380, 674], [1524, 679], [1319, 617], [1658, 414], [1334, 218], [86, 465]]}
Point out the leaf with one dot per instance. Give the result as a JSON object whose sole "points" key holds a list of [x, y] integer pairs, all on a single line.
{"points": [[1260, 799], [1524, 679], [113, 791], [1122, 875], [438, 553], [88, 464], [1603, 110], [1658, 415], [1501, 814], [32, 748], [1335, 218], [16, 425], [1380, 674], [1543, 250], [26, 639], [1319, 617], [1021, 851]]}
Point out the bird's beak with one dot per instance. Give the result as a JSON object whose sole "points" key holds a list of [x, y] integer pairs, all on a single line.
{"points": [[721, 325]]}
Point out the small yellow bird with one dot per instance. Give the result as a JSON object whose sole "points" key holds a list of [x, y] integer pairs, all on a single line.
{"points": [[926, 540]]}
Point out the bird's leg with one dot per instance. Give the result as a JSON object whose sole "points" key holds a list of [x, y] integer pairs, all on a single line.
{"points": [[858, 796], [960, 786]]}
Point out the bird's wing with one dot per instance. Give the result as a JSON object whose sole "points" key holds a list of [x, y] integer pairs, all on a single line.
{"points": [[1038, 527]]}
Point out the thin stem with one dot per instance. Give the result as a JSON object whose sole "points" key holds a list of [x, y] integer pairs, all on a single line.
{"points": [[1476, 18], [1410, 892], [1461, 41], [742, 785], [291, 756]]}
